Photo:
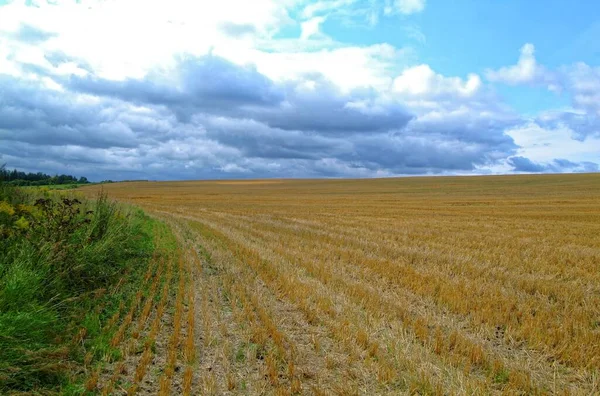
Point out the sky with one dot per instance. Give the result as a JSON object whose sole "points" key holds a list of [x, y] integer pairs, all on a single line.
{"points": [[176, 90]]}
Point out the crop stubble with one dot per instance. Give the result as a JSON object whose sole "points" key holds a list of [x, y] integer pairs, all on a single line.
{"points": [[430, 285]]}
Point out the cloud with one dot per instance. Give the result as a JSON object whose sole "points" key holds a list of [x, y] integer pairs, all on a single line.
{"points": [[196, 83], [237, 30], [457, 109], [525, 165], [546, 145], [522, 164], [421, 80], [362, 14], [325, 7], [219, 93], [30, 112], [405, 7], [409, 6], [526, 71], [581, 124], [212, 84], [314, 104], [31, 34], [582, 82], [523, 71], [311, 27], [305, 127], [348, 67], [133, 46]]}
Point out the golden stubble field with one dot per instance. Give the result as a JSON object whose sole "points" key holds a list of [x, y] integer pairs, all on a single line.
{"points": [[434, 285]]}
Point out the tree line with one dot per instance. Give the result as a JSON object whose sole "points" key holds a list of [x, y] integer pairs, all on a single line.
{"points": [[20, 178]]}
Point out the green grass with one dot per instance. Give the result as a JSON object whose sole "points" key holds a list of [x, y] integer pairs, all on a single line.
{"points": [[66, 266], [52, 187], [64, 186], [501, 377]]}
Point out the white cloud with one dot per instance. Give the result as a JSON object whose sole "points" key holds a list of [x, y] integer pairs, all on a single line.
{"points": [[526, 71], [523, 72], [114, 39], [583, 82], [410, 6], [134, 46], [547, 144], [311, 27], [580, 81], [325, 7], [422, 81], [349, 67]]}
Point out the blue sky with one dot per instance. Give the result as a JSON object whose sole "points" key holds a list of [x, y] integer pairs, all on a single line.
{"points": [[294, 88]]}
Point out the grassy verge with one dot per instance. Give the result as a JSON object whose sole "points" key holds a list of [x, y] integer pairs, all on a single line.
{"points": [[68, 266]]}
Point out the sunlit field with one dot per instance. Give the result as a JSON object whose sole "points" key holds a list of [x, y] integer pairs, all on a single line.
{"points": [[430, 285]]}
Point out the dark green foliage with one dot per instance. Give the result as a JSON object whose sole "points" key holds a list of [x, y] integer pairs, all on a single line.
{"points": [[19, 179]]}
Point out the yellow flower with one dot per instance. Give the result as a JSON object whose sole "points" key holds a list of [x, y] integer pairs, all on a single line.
{"points": [[7, 208]]}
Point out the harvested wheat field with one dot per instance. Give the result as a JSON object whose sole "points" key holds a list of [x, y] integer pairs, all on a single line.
{"points": [[440, 285]]}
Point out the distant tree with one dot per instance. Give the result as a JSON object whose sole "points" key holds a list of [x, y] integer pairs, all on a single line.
{"points": [[19, 178]]}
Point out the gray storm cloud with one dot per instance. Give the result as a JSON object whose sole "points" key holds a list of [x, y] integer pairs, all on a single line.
{"points": [[210, 118]]}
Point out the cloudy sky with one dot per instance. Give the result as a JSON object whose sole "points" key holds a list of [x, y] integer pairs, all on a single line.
{"points": [[176, 89]]}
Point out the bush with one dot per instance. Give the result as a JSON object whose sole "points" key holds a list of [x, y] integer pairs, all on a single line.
{"points": [[56, 253]]}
